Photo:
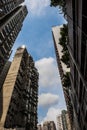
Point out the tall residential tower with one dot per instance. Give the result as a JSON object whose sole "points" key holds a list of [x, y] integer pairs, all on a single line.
{"points": [[63, 70], [6, 6], [49, 125], [76, 15], [63, 122], [59, 122], [20, 93], [12, 15], [76, 11]]}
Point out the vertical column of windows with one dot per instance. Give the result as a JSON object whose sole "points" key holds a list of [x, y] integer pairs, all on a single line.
{"points": [[84, 38], [75, 28], [8, 34]]}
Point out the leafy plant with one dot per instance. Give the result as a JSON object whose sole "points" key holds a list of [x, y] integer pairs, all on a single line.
{"points": [[66, 80], [54, 3], [63, 42], [65, 58], [60, 3]]}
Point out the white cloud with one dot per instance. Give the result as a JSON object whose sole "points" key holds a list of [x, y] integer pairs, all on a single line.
{"points": [[48, 72], [37, 7], [48, 99], [51, 115]]}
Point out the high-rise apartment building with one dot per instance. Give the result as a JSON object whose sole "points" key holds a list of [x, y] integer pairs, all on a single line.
{"points": [[68, 121], [6, 6], [20, 94], [49, 125], [10, 26], [9, 30], [77, 31], [59, 122], [39, 127], [63, 70], [63, 122]]}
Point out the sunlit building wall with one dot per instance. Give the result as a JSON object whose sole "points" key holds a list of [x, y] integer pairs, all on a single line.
{"points": [[62, 70], [20, 94]]}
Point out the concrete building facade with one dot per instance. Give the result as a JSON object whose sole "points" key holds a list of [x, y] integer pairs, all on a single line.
{"points": [[59, 122], [77, 31], [4, 73], [49, 125], [10, 26], [63, 122], [20, 94], [6, 6], [62, 70], [2, 79], [68, 121], [76, 15], [39, 127]]}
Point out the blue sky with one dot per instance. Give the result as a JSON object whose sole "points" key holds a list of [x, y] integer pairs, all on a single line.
{"points": [[37, 36]]}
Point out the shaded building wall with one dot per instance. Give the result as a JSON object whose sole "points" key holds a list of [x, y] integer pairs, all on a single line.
{"points": [[2, 79], [52, 125], [33, 96], [6, 6], [77, 19], [10, 26], [4, 73]]}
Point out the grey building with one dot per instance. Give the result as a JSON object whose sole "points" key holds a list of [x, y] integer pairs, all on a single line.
{"points": [[77, 31], [10, 26], [76, 15], [7, 6], [20, 94]]}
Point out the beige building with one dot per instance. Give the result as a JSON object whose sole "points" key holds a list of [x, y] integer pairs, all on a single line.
{"points": [[76, 11], [49, 125], [39, 127], [63, 122], [68, 122], [63, 69], [21, 84], [59, 122]]}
